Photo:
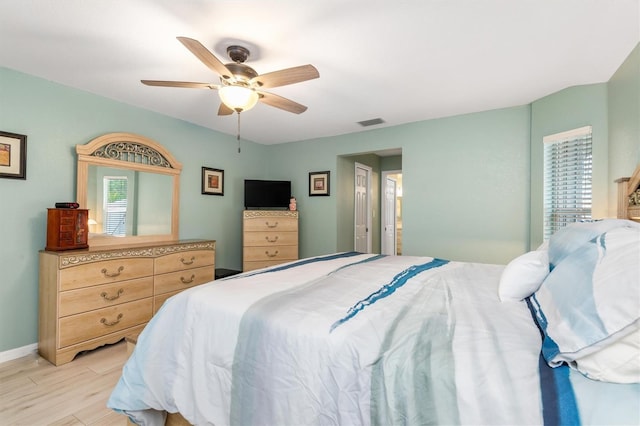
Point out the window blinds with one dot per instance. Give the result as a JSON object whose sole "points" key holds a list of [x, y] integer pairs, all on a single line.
{"points": [[115, 205], [567, 179]]}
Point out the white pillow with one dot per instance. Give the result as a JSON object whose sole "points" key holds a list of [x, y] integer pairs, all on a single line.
{"points": [[618, 363], [591, 301], [523, 275], [573, 236]]}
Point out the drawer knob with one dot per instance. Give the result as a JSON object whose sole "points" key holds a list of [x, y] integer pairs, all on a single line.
{"points": [[188, 281], [271, 255], [111, 323], [105, 296], [187, 262], [114, 274], [271, 240], [271, 226]]}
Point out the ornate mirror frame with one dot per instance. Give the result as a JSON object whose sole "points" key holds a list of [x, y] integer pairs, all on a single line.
{"points": [[132, 152]]}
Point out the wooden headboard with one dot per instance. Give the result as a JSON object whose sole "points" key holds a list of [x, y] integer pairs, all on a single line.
{"points": [[629, 196]]}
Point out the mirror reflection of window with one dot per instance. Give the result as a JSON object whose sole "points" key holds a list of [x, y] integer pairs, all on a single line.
{"points": [[115, 205], [152, 179]]}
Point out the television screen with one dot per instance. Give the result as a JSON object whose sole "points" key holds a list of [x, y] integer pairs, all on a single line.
{"points": [[267, 194]]}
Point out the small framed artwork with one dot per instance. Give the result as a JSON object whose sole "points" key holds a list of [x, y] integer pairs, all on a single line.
{"points": [[212, 181], [318, 184], [13, 155]]}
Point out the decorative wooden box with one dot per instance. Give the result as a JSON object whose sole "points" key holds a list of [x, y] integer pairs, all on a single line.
{"points": [[67, 229]]}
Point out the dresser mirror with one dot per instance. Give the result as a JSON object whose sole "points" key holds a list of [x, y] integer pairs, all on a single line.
{"points": [[130, 185]]}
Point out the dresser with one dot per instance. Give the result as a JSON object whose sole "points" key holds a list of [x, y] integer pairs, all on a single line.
{"points": [[269, 237], [91, 297]]}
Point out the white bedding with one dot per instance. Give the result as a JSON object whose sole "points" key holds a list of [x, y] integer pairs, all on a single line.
{"points": [[347, 339]]}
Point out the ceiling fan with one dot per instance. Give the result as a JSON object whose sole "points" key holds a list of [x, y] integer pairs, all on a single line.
{"points": [[240, 85]]}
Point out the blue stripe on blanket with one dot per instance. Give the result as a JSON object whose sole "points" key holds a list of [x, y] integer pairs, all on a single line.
{"points": [[388, 289], [559, 406], [549, 347], [368, 259]]}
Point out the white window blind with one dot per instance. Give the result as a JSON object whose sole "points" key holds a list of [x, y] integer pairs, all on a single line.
{"points": [[115, 205], [567, 179]]}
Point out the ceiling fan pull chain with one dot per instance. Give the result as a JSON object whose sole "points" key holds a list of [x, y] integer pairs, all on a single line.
{"points": [[238, 132]]}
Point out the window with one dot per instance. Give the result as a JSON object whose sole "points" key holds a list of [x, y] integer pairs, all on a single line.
{"points": [[115, 205], [567, 179]]}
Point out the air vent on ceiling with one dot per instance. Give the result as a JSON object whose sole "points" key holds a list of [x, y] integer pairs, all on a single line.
{"points": [[371, 122]]}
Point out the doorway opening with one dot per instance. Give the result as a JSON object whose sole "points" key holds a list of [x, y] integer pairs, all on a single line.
{"points": [[391, 212], [354, 229]]}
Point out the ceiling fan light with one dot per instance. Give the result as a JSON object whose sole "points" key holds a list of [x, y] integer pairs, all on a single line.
{"points": [[238, 98]]}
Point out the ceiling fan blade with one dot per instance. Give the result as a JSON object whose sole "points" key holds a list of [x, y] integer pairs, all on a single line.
{"points": [[282, 103], [207, 58], [224, 110], [185, 84], [286, 76]]}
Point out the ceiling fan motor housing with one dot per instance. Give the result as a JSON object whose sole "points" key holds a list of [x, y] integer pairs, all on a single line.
{"points": [[242, 72]]}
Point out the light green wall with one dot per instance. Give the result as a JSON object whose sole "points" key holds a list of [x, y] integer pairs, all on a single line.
{"points": [[624, 123], [345, 205], [55, 118], [391, 163], [465, 179], [565, 110], [465, 185]]}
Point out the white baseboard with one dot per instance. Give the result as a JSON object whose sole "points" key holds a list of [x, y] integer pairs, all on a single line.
{"points": [[18, 352]]}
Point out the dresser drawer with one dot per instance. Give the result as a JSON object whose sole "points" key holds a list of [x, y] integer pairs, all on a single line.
{"points": [[184, 260], [270, 224], [89, 325], [104, 272], [273, 238], [270, 253], [259, 264], [182, 280], [102, 296]]}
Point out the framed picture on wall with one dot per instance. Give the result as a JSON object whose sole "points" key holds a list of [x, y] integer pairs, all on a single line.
{"points": [[212, 181], [13, 155], [318, 184]]}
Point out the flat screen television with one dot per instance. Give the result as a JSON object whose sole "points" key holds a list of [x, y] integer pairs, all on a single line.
{"points": [[267, 194]]}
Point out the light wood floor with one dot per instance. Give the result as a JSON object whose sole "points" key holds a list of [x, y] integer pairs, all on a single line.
{"points": [[34, 392]]}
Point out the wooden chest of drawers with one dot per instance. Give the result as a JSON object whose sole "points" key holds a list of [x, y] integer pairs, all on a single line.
{"points": [[92, 297], [270, 237]]}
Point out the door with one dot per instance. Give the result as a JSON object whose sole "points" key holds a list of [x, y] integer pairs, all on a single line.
{"points": [[389, 215], [362, 209]]}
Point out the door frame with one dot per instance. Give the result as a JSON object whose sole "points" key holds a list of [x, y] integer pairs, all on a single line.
{"points": [[383, 211]]}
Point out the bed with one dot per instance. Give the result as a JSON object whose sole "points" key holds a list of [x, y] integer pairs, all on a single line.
{"points": [[357, 339]]}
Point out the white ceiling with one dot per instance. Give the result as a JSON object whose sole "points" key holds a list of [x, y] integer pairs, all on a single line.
{"points": [[399, 60]]}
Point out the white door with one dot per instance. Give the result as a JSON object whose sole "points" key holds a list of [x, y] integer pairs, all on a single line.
{"points": [[389, 217], [362, 209]]}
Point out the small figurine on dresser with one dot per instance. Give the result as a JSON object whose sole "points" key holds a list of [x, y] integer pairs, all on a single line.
{"points": [[292, 204]]}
